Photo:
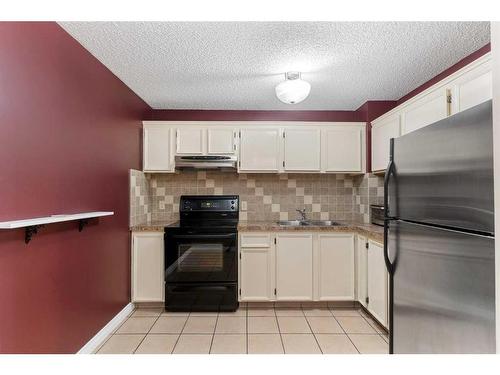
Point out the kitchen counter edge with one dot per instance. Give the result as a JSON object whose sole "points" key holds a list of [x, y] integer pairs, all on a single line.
{"points": [[373, 232]]}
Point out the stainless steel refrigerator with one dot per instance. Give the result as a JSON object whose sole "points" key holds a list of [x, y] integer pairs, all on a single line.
{"points": [[439, 236]]}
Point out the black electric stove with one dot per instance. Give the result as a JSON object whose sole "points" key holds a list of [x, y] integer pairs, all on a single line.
{"points": [[201, 262]]}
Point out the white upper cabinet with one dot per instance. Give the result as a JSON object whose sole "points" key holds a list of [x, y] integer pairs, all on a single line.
{"points": [[221, 140], [259, 150], [261, 147], [195, 139], [335, 267], [294, 267], [157, 148], [429, 109], [472, 88], [190, 141], [342, 149], [461, 90], [302, 149], [382, 132]]}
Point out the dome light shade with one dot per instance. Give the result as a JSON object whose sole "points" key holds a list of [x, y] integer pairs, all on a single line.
{"points": [[293, 90]]}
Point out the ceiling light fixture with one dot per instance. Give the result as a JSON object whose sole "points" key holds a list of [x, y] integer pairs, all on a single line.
{"points": [[293, 90]]}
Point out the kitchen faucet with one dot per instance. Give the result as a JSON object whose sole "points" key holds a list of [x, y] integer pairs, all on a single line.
{"points": [[302, 214]]}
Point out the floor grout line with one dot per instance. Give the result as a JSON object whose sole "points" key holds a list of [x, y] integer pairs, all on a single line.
{"points": [[213, 334], [314, 335], [180, 333], [279, 331], [355, 347], [150, 328], [246, 320], [114, 332]]}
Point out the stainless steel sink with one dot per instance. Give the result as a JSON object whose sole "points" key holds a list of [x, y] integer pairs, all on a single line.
{"points": [[292, 223], [297, 223], [323, 223]]}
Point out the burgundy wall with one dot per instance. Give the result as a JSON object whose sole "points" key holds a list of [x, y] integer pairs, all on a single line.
{"points": [[223, 115], [69, 132]]}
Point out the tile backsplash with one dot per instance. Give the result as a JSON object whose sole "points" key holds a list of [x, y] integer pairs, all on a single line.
{"points": [[262, 196], [369, 189], [140, 199]]}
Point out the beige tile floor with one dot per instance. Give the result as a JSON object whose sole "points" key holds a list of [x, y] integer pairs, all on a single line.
{"points": [[254, 329]]}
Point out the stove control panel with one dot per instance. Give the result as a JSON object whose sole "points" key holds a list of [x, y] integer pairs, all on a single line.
{"points": [[189, 203]]}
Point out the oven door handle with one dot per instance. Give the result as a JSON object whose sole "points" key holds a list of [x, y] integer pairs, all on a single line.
{"points": [[204, 236]]}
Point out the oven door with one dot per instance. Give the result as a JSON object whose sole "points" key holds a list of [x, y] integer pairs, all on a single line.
{"points": [[200, 257]]}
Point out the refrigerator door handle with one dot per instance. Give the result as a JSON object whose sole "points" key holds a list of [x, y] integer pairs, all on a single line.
{"points": [[387, 216], [390, 266], [389, 171], [390, 270]]}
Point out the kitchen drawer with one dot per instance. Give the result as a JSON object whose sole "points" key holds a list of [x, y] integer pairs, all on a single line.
{"points": [[257, 240]]}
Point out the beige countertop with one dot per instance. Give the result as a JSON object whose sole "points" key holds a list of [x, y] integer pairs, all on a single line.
{"points": [[373, 232], [152, 226]]}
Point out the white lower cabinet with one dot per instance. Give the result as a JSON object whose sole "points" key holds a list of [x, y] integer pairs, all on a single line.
{"points": [[311, 266], [335, 267], [147, 267], [294, 267], [256, 270], [377, 282], [372, 278], [362, 270]]}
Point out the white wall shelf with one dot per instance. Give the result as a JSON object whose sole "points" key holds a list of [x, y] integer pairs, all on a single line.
{"points": [[32, 225]]}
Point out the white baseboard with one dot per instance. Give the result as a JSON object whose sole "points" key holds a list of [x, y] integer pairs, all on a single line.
{"points": [[100, 336]]}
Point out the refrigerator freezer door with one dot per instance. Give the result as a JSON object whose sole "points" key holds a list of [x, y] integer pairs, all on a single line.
{"points": [[444, 290], [444, 172]]}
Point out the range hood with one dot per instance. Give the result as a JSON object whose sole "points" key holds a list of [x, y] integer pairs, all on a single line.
{"points": [[223, 162]]}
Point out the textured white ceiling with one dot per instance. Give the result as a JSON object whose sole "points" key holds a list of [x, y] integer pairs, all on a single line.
{"points": [[236, 65]]}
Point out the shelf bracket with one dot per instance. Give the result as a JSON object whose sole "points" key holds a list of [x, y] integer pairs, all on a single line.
{"points": [[82, 223], [30, 231]]}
